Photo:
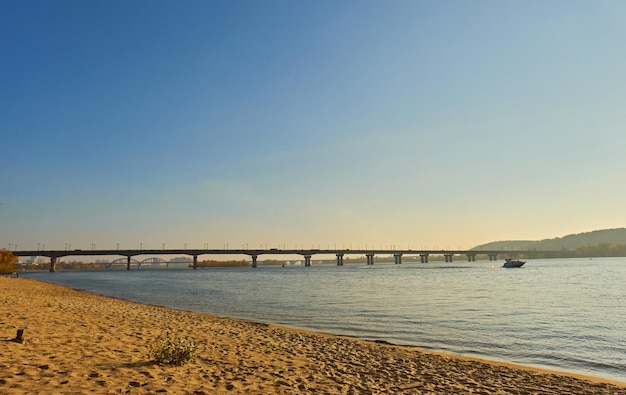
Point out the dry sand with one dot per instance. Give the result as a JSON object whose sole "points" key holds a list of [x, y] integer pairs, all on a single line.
{"points": [[78, 342]]}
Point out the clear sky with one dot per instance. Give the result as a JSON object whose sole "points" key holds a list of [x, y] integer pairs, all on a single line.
{"points": [[421, 124]]}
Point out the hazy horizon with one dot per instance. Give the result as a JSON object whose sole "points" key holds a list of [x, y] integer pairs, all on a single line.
{"points": [[410, 123]]}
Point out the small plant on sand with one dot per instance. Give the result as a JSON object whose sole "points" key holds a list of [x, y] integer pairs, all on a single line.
{"points": [[173, 350]]}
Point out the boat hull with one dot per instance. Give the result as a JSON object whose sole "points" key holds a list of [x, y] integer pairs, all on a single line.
{"points": [[513, 263]]}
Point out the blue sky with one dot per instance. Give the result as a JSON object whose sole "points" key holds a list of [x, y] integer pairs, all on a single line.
{"points": [[417, 124]]}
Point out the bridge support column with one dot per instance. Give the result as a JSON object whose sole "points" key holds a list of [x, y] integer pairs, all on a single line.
{"points": [[448, 257], [370, 259], [128, 263], [53, 263], [471, 257], [307, 260], [195, 261], [424, 258], [254, 257], [339, 259], [493, 257], [397, 259]]}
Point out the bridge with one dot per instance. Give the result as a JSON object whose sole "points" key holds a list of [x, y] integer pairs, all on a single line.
{"points": [[129, 255]]}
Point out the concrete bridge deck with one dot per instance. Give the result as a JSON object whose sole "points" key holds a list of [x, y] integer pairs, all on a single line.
{"points": [[54, 255]]}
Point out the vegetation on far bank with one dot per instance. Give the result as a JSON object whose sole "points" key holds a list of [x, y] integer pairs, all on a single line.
{"points": [[7, 261], [588, 251], [569, 242], [214, 263]]}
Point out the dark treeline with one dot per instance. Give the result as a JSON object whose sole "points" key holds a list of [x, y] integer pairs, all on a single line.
{"points": [[213, 263], [64, 266], [604, 249], [570, 242], [588, 251]]}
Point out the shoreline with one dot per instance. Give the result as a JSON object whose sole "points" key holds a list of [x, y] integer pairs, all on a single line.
{"points": [[79, 342]]}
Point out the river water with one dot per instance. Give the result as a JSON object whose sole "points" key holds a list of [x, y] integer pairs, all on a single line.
{"points": [[563, 314]]}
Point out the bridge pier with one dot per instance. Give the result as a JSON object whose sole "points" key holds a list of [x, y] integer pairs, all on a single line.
{"points": [[307, 260], [128, 262], [493, 257], [397, 259], [448, 257], [195, 261], [471, 257], [53, 263], [254, 257], [370, 258], [424, 258], [339, 259]]}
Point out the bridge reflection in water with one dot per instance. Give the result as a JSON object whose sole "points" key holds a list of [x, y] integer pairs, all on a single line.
{"points": [[307, 254]]}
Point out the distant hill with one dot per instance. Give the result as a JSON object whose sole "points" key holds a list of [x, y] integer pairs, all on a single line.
{"points": [[569, 242]]}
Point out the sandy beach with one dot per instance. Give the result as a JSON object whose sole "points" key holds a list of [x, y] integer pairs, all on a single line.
{"points": [[77, 343]]}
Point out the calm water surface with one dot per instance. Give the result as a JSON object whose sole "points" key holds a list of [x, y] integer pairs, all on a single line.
{"points": [[562, 314]]}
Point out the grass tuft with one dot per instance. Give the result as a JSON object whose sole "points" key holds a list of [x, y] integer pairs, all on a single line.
{"points": [[173, 350]]}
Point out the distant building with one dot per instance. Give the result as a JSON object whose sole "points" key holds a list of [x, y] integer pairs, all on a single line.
{"points": [[182, 259]]}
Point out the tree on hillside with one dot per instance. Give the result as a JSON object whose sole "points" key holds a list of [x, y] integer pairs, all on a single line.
{"points": [[7, 261]]}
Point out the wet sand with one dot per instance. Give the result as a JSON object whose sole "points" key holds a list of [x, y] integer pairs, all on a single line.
{"points": [[80, 343]]}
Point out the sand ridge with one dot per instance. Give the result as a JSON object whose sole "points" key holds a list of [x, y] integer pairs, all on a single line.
{"points": [[80, 343]]}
